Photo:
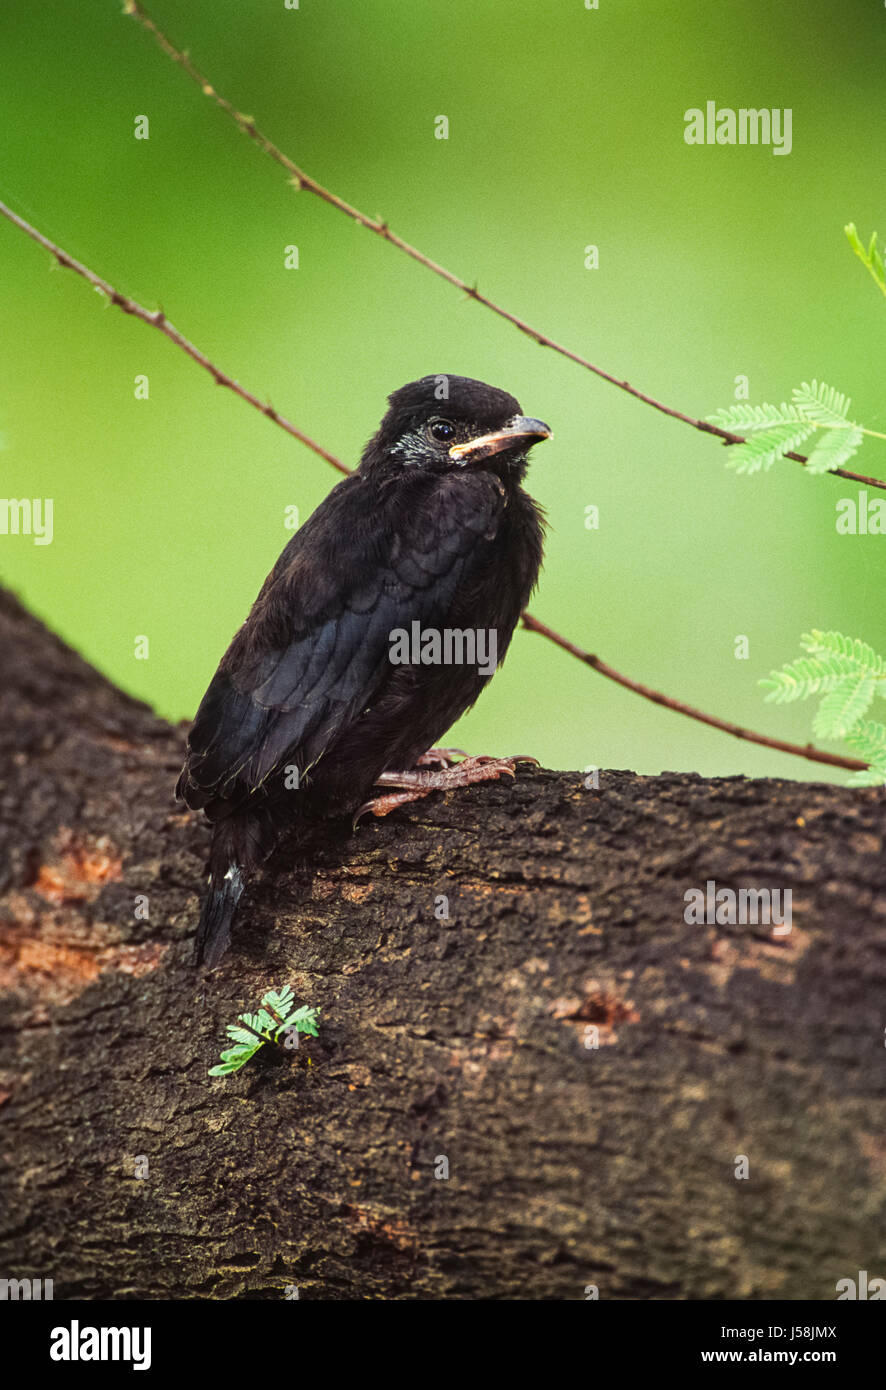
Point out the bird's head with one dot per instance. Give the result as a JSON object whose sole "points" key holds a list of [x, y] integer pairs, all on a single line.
{"points": [[449, 423]]}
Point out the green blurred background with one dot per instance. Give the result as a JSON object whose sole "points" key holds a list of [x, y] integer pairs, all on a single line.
{"points": [[566, 128]]}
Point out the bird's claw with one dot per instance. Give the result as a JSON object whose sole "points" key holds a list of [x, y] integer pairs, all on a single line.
{"points": [[464, 774], [383, 805], [420, 781]]}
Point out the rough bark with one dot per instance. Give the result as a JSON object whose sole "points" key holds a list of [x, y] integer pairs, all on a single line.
{"points": [[463, 1037]]}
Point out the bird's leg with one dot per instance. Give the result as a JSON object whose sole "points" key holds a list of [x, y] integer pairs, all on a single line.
{"points": [[419, 781]]}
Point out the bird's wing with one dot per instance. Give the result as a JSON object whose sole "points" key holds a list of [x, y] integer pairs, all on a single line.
{"points": [[315, 648]]}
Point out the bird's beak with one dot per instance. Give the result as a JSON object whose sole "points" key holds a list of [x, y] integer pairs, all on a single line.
{"points": [[522, 430]]}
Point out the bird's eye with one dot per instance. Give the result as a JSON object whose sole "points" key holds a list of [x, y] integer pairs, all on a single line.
{"points": [[441, 430]]}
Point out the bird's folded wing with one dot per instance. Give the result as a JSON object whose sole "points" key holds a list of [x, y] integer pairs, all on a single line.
{"points": [[316, 647]]}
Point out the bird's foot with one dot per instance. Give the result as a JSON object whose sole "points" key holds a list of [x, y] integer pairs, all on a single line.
{"points": [[440, 757], [423, 779], [420, 781]]}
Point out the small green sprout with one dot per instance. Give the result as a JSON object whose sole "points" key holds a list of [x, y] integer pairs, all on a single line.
{"points": [[252, 1031]]}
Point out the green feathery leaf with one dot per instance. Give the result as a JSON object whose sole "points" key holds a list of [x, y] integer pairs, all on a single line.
{"points": [[868, 739], [279, 1000], [843, 706], [242, 1035], [233, 1058], [745, 419], [763, 450], [256, 1023], [816, 408], [847, 673], [873, 776], [833, 448], [813, 675], [303, 1019], [821, 403], [862, 656]]}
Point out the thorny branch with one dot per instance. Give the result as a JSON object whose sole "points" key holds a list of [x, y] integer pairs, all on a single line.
{"points": [[158, 320], [815, 755], [302, 181]]}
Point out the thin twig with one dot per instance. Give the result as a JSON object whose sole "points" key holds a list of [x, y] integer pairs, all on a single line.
{"points": [[301, 180], [815, 755], [159, 321]]}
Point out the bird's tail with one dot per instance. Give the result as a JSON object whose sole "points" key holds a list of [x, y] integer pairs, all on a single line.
{"points": [[240, 843], [219, 906]]}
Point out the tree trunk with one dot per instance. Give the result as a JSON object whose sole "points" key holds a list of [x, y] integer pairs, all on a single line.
{"points": [[510, 994]]}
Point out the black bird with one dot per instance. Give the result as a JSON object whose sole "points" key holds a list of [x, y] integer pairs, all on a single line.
{"points": [[307, 710]]}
